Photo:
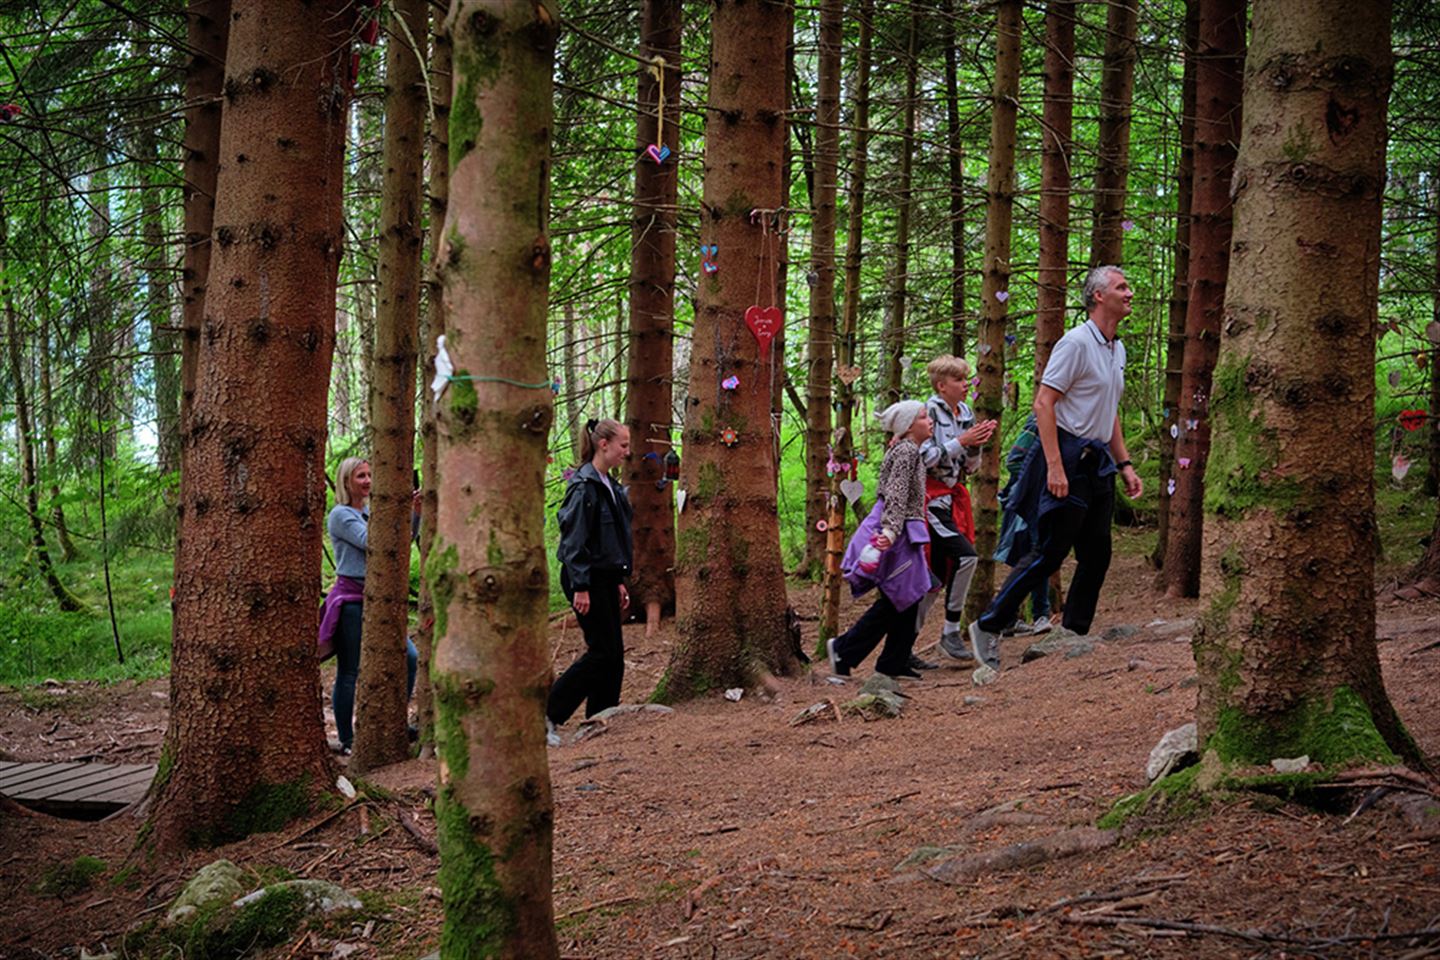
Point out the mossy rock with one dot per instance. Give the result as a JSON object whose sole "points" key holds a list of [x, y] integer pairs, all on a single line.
{"points": [[215, 885]]}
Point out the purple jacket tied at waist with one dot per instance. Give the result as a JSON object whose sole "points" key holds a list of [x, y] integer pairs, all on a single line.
{"points": [[903, 575], [346, 590]]}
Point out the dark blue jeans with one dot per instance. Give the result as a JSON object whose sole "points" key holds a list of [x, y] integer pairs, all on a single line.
{"points": [[881, 621], [347, 669]]}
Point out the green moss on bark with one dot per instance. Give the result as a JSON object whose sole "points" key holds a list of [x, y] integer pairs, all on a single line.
{"points": [[1339, 732], [442, 560], [1239, 474], [692, 546], [478, 915]]}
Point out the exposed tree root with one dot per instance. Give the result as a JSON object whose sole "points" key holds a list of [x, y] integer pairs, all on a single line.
{"points": [[1066, 843]]}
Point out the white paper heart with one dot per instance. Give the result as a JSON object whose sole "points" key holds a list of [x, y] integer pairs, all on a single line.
{"points": [[1175, 431], [905, 363], [837, 434], [984, 348], [852, 489], [1002, 295], [680, 500], [1400, 467]]}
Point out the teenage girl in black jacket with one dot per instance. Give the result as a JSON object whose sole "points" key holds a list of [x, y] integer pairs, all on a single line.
{"points": [[595, 557]]}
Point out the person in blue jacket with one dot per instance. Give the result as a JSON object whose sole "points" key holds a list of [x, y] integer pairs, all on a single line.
{"points": [[596, 555]]}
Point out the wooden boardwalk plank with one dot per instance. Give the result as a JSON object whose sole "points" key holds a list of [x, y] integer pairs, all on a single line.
{"points": [[13, 775], [121, 783], [96, 779], [55, 773], [75, 788]]}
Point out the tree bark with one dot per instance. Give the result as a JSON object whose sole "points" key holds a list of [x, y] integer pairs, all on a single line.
{"points": [[24, 435], [52, 453], [1432, 471], [1286, 652], [843, 435], [381, 708], [164, 344], [650, 394], [728, 544], [1179, 291], [1112, 174], [207, 32], [990, 363], [1219, 85], [100, 381], [1055, 179], [488, 569], [821, 347], [245, 746], [956, 158], [432, 326], [572, 381], [893, 335]]}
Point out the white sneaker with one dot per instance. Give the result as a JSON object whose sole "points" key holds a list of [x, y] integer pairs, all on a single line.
{"points": [[1041, 625], [552, 736]]}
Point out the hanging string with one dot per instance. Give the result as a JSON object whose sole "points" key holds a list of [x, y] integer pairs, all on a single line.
{"points": [[657, 69]]}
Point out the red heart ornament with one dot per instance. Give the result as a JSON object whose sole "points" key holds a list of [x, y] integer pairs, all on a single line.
{"points": [[765, 323]]}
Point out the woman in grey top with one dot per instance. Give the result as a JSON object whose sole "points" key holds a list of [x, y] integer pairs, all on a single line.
{"points": [[340, 623]]}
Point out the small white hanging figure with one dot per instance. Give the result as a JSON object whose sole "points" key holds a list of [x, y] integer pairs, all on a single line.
{"points": [[443, 368]]}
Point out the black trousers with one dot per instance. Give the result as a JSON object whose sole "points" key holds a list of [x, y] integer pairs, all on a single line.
{"points": [[596, 677], [882, 620], [1087, 530]]}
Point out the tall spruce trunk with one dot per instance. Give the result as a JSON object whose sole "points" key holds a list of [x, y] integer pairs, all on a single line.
{"points": [[1179, 293], [432, 325], [164, 344], [1112, 173], [381, 707], [1219, 85], [1432, 425], [49, 442], [650, 387], [1055, 179], [893, 335], [207, 32], [1286, 653], [25, 434], [245, 744], [846, 372], [990, 362], [102, 392], [955, 156], [820, 355], [728, 544], [488, 568]]}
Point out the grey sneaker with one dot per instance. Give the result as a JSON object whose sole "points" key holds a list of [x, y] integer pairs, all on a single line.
{"points": [[952, 643], [1041, 625], [985, 645], [835, 666], [552, 736]]}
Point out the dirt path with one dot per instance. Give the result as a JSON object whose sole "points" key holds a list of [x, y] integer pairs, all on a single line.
{"points": [[724, 831]]}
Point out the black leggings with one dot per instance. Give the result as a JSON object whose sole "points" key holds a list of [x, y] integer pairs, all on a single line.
{"points": [[597, 676]]}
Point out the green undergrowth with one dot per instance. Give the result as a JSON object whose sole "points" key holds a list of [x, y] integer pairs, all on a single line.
{"points": [[72, 877], [221, 932]]}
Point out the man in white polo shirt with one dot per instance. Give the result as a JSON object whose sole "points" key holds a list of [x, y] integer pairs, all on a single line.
{"points": [[1067, 482]]}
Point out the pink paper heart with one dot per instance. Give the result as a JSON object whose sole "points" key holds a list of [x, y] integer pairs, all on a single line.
{"points": [[764, 323], [658, 152], [1184, 463]]}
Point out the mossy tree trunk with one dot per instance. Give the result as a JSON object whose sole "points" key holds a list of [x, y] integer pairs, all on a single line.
{"points": [[844, 385], [729, 582], [1055, 179], [955, 157], [381, 707], [650, 394], [1179, 291], [1432, 425], [1219, 81], [25, 435], [487, 569], [245, 744], [1112, 172], [1286, 652], [432, 325], [893, 334], [994, 292], [820, 355]]}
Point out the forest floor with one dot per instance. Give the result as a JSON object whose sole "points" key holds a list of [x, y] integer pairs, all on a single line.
{"points": [[724, 830]]}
